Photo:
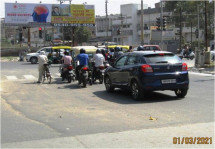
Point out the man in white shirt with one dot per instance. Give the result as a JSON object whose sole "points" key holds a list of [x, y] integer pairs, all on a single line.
{"points": [[42, 59], [99, 59]]}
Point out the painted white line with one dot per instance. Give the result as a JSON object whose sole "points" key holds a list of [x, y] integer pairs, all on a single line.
{"points": [[201, 74], [11, 77], [29, 77], [58, 74]]}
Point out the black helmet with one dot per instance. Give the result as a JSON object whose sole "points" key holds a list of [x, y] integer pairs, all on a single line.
{"points": [[98, 51], [66, 53], [117, 49], [140, 48], [82, 51]]}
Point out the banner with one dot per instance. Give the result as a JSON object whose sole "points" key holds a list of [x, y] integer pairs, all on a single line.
{"points": [[23, 13], [73, 15]]}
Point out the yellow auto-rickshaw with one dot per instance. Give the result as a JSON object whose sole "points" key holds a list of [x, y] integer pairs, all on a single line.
{"points": [[90, 51], [57, 53], [125, 48]]}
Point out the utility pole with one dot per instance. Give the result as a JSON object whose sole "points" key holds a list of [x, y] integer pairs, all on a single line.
{"points": [[121, 28], [141, 24], [29, 37], [206, 29], [198, 29], [191, 38], [161, 18], [180, 28], [107, 22]]}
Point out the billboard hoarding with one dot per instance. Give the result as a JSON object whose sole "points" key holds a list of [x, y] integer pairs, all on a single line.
{"points": [[23, 13]]}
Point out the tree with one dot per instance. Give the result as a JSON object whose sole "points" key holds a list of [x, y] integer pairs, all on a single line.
{"points": [[189, 14], [82, 34]]}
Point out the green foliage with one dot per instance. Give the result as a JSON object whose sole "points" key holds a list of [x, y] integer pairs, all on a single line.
{"points": [[82, 34], [189, 14]]}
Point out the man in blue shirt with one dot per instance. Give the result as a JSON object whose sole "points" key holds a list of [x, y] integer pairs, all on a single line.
{"points": [[83, 61]]}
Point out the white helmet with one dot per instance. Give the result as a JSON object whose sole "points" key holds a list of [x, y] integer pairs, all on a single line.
{"points": [[42, 53]]}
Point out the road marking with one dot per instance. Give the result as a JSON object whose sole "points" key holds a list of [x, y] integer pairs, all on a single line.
{"points": [[201, 74], [58, 74], [11, 77], [29, 77]]}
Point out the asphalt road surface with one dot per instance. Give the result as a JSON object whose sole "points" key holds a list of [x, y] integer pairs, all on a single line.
{"points": [[31, 111]]}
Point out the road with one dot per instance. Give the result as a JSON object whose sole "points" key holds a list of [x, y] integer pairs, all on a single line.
{"points": [[32, 111]]}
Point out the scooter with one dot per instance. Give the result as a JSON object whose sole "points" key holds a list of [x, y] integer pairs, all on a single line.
{"points": [[68, 73], [85, 75]]}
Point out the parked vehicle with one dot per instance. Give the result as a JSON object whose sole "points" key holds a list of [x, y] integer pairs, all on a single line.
{"points": [[190, 56], [53, 53], [68, 73], [85, 76], [145, 71]]}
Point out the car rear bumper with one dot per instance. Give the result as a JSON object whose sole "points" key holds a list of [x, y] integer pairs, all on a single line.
{"points": [[149, 82]]}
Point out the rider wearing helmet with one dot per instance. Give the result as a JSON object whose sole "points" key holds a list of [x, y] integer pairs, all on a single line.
{"points": [[140, 48], [118, 52], [99, 59], [83, 61]]}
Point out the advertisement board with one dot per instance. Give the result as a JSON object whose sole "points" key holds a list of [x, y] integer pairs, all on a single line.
{"points": [[73, 15], [27, 14], [23, 13]]}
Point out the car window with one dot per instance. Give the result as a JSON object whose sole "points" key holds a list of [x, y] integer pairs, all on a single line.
{"points": [[132, 60], [48, 50], [121, 61], [162, 58]]}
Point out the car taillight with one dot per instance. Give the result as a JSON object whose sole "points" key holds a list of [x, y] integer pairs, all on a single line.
{"points": [[184, 67], [146, 68], [101, 67], [85, 68], [70, 67]]}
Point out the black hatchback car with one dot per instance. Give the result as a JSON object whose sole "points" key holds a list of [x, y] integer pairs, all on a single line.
{"points": [[146, 71]]}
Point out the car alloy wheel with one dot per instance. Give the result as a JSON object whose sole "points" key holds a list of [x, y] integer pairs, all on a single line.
{"points": [[181, 93], [135, 91], [108, 85], [34, 60]]}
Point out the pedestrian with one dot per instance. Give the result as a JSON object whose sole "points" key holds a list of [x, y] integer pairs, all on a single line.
{"points": [[42, 59]]}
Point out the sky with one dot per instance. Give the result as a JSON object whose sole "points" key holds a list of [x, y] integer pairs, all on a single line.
{"points": [[113, 5]]}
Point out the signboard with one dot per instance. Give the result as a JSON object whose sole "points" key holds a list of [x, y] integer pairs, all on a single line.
{"points": [[73, 15], [46, 14], [23, 13]]}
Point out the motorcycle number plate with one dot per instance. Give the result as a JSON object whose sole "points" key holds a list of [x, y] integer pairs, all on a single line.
{"points": [[70, 72]]}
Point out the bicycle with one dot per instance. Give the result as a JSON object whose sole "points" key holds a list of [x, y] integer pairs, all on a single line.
{"points": [[47, 74]]}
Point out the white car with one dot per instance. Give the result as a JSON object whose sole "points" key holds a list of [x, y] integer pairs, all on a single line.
{"points": [[32, 57]]}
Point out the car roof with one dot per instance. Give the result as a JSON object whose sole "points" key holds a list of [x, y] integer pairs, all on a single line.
{"points": [[150, 45], [147, 52]]}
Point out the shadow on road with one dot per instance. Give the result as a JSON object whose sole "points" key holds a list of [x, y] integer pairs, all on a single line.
{"points": [[124, 97]]}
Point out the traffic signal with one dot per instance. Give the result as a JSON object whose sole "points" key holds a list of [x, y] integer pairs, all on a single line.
{"points": [[164, 23], [158, 23], [118, 32], [197, 33], [40, 32], [20, 37]]}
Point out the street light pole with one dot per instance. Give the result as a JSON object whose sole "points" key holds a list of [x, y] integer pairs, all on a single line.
{"points": [[107, 27], [141, 23]]}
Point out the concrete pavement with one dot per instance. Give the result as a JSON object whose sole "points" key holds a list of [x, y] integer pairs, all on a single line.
{"points": [[155, 138]]}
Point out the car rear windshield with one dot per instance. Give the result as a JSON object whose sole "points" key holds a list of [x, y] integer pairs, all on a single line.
{"points": [[162, 58]]}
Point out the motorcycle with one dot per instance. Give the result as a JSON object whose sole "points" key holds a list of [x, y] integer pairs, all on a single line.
{"points": [[99, 73], [68, 73], [85, 76], [190, 55]]}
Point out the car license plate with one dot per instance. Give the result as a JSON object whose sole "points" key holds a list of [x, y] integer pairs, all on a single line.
{"points": [[167, 81]]}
